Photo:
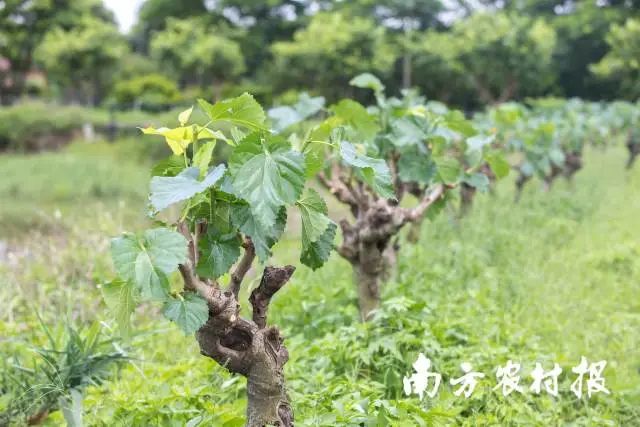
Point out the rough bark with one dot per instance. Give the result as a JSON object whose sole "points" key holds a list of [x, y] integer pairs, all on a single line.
{"points": [[245, 347]]}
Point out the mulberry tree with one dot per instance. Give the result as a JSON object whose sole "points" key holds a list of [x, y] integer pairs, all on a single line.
{"points": [[228, 219]]}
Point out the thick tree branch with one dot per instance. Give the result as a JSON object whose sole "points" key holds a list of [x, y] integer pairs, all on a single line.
{"points": [[340, 188], [410, 215], [243, 266], [273, 279]]}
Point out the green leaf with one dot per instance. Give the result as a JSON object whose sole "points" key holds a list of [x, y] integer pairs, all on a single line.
{"points": [[268, 174], [242, 111], [315, 254], [374, 172], [263, 237], [219, 253], [313, 211], [449, 170], [416, 166], [202, 158], [166, 191], [478, 142], [367, 81], [171, 166], [179, 138], [146, 261], [190, 313], [455, 121], [405, 132], [285, 116], [498, 164], [356, 116], [478, 181], [120, 296]]}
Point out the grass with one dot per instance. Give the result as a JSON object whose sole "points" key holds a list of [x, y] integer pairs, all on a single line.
{"points": [[551, 279]]}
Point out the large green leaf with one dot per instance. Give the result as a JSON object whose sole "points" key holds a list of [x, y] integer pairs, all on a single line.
{"points": [[374, 172], [120, 296], [167, 190], [313, 211], [415, 165], [268, 174], [263, 237], [315, 254], [318, 231], [449, 169], [189, 312], [219, 252], [242, 111], [147, 260], [405, 132]]}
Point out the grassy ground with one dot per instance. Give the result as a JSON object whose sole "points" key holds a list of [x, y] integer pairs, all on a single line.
{"points": [[551, 279]]}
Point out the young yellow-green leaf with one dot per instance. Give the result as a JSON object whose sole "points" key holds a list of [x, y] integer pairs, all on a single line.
{"points": [[120, 296], [242, 111], [498, 164], [167, 190], [219, 253], [183, 117], [268, 174], [189, 312], [313, 211], [375, 172], [179, 138], [147, 260]]}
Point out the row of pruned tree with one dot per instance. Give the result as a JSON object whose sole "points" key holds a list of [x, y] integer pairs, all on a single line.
{"points": [[391, 164]]}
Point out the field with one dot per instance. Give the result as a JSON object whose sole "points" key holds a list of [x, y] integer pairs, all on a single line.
{"points": [[550, 279]]}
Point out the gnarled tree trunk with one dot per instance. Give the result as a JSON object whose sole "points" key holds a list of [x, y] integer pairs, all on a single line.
{"points": [[368, 244], [245, 347]]}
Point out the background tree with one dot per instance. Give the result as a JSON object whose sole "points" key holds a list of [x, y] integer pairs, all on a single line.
{"points": [[81, 60], [623, 59], [24, 23], [325, 59], [193, 51], [504, 55]]}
